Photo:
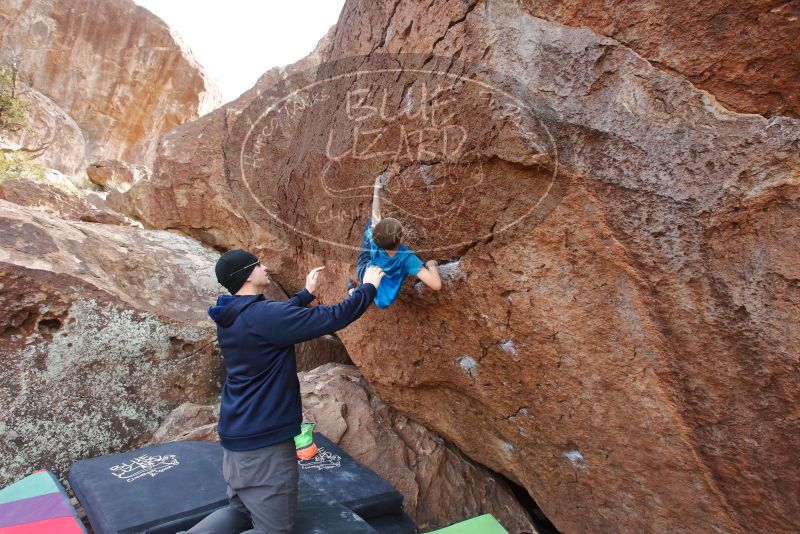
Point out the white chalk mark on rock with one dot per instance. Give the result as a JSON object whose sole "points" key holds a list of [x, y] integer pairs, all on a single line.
{"points": [[508, 346], [576, 458], [469, 365]]}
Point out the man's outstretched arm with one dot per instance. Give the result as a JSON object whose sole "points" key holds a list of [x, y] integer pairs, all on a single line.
{"points": [[287, 325]]}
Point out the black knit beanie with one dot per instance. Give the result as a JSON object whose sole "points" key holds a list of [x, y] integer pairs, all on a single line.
{"points": [[233, 268]]}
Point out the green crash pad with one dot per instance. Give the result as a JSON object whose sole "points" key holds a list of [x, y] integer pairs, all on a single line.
{"points": [[483, 524]]}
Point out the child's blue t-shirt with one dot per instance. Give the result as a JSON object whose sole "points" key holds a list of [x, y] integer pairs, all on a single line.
{"points": [[397, 267]]}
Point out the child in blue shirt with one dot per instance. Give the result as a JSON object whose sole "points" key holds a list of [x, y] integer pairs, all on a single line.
{"points": [[381, 246]]}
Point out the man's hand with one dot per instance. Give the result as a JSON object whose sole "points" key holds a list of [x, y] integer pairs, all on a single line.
{"points": [[312, 279], [373, 275]]}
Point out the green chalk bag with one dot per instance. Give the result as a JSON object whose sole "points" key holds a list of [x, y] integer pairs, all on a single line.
{"points": [[304, 442]]}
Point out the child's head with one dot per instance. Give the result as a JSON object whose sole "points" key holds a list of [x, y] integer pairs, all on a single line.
{"points": [[387, 233]]}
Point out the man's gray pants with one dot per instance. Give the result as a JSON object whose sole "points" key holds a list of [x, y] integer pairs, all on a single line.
{"points": [[262, 492]]}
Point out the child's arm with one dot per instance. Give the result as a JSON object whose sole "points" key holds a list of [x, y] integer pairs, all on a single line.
{"points": [[376, 200], [430, 275]]}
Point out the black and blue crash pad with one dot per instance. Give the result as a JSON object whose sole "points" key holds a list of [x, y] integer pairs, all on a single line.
{"points": [[352, 484], [318, 513], [175, 484], [393, 524], [170, 487]]}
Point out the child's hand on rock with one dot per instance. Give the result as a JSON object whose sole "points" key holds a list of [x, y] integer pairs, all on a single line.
{"points": [[386, 176]]}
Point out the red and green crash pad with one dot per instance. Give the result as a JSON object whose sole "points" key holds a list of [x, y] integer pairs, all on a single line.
{"points": [[37, 504], [483, 524]]}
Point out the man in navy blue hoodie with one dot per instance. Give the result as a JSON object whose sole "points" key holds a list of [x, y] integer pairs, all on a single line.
{"points": [[260, 408]]}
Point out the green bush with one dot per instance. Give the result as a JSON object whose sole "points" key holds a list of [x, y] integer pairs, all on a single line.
{"points": [[12, 108], [14, 165]]}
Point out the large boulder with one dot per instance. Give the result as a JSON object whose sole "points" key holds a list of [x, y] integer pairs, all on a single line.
{"points": [[620, 325], [641, 337], [49, 191], [115, 175], [162, 273], [51, 138], [102, 334], [114, 67]]}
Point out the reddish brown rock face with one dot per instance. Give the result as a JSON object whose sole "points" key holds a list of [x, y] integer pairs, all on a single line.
{"points": [[113, 66], [628, 350], [743, 53]]}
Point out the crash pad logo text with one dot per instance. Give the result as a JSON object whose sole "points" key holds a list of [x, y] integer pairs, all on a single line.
{"points": [[322, 461], [144, 466]]}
